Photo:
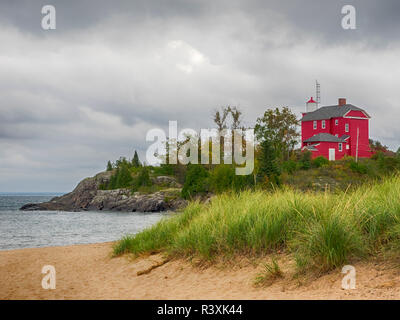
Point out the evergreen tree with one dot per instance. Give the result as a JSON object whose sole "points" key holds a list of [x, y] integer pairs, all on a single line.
{"points": [[268, 171], [143, 178], [135, 160], [124, 177], [305, 160], [113, 180], [109, 166]]}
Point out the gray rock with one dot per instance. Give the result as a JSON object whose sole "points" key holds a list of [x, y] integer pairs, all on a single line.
{"points": [[166, 181], [87, 196]]}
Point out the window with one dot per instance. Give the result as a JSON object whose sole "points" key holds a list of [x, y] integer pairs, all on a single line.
{"points": [[323, 124], [336, 122], [340, 147], [315, 125], [347, 127], [347, 147]]}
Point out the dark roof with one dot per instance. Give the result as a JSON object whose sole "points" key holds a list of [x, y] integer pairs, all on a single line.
{"points": [[323, 137], [329, 112], [344, 137], [311, 147]]}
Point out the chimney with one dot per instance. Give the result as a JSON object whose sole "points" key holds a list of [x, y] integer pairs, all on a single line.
{"points": [[342, 102]]}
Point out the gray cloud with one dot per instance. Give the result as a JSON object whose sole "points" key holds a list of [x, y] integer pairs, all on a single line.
{"points": [[87, 92]]}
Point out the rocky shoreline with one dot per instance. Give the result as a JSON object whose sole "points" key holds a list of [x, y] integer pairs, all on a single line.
{"points": [[88, 197]]}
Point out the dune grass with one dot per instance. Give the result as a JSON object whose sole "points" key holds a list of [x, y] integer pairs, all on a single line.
{"points": [[322, 230], [271, 272]]}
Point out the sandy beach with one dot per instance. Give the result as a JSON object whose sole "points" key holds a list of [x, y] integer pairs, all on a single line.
{"points": [[89, 272]]}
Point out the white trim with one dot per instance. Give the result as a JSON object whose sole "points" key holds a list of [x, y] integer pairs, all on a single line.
{"points": [[323, 124], [366, 115], [311, 146], [340, 147], [360, 118], [315, 124], [346, 127]]}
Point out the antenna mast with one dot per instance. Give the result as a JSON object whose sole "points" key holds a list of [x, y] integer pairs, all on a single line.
{"points": [[318, 93]]}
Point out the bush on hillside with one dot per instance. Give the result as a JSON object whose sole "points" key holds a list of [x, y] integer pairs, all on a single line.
{"points": [[305, 160], [195, 181], [289, 166], [224, 178], [142, 179], [320, 161], [358, 167]]}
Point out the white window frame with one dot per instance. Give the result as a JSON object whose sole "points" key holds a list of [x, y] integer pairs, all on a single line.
{"points": [[315, 125], [323, 124], [346, 127], [340, 146], [336, 122]]}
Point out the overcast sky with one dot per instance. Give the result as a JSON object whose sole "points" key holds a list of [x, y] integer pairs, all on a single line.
{"points": [[75, 97]]}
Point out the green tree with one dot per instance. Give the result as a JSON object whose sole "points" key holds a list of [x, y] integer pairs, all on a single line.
{"points": [[268, 171], [135, 160], [279, 126], [305, 160], [195, 181], [124, 177], [224, 178], [143, 178], [109, 166], [122, 161], [113, 181]]}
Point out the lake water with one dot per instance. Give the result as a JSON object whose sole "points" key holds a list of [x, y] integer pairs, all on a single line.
{"points": [[32, 229]]}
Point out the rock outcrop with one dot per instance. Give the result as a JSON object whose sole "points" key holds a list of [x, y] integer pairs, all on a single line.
{"points": [[87, 196]]}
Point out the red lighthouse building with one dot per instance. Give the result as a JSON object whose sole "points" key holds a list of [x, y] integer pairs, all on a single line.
{"points": [[335, 131]]}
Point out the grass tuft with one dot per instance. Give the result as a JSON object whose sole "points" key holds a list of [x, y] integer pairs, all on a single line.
{"points": [[271, 272]]}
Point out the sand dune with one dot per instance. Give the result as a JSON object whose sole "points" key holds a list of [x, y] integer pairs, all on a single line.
{"points": [[88, 272]]}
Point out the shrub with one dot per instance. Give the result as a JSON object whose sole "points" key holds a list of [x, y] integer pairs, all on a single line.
{"points": [[358, 167], [388, 164], [320, 161], [195, 181], [164, 170], [223, 178], [143, 178], [289, 166], [305, 160]]}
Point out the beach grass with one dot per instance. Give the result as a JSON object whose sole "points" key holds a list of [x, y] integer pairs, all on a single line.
{"points": [[322, 231], [271, 271]]}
